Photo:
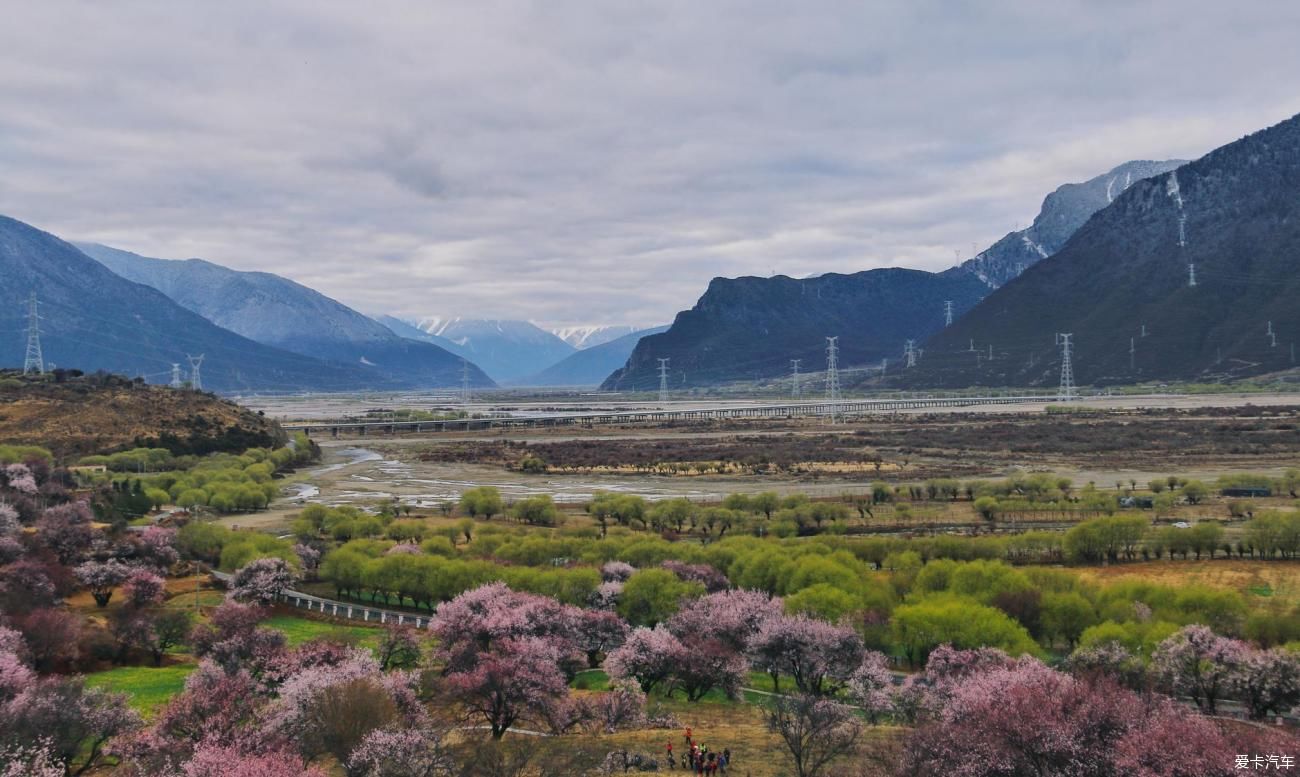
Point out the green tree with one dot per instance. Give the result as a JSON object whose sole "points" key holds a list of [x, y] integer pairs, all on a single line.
{"points": [[482, 502], [653, 595]]}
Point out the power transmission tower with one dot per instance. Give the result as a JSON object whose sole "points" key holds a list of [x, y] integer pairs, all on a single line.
{"points": [[990, 351], [794, 366], [35, 362], [176, 376], [833, 375], [464, 381], [196, 380], [1066, 392], [947, 313], [663, 380], [972, 345], [1191, 274], [1132, 354], [909, 352], [884, 366], [1272, 336]]}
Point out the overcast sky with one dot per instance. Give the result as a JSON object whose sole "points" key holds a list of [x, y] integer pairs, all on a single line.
{"points": [[599, 162]]}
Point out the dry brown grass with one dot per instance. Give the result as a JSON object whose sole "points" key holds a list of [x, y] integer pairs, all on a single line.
{"points": [[1241, 575]]}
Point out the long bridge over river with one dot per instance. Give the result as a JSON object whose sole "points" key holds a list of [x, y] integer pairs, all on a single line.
{"points": [[611, 417]]}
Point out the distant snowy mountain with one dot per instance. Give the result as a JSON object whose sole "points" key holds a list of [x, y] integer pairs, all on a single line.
{"points": [[583, 337], [506, 350], [590, 366]]}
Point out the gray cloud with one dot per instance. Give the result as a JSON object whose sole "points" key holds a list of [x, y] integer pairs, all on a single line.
{"points": [[582, 162]]}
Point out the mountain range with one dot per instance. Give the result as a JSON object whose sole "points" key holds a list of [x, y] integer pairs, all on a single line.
{"points": [[591, 365], [507, 350], [1062, 213], [751, 328], [1122, 286], [93, 319], [583, 337], [276, 311]]}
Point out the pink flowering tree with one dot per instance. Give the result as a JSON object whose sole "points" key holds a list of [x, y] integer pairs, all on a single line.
{"points": [[1028, 719], [648, 656], [101, 577], [216, 709], [622, 707], [156, 546], [871, 686], [477, 620], [66, 531], [1109, 659], [614, 571], [734, 617], [29, 760], [599, 632], [211, 760], [607, 595], [815, 654], [51, 636], [233, 639], [1268, 681], [73, 722], [309, 557], [513, 682], [10, 525], [401, 752], [19, 477], [143, 589], [704, 574], [1198, 663], [261, 581], [15, 676], [702, 665], [26, 585]]}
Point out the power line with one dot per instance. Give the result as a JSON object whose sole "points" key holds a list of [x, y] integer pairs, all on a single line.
{"points": [[794, 366], [35, 361], [833, 375], [1066, 392], [196, 380], [663, 380]]}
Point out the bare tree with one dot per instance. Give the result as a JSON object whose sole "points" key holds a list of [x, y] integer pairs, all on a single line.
{"points": [[815, 731]]}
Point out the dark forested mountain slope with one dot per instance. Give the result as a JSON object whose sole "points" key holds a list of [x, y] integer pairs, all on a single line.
{"points": [[1127, 270], [750, 328]]}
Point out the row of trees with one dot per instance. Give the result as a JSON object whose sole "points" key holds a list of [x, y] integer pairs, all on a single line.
{"points": [[1130, 537]]}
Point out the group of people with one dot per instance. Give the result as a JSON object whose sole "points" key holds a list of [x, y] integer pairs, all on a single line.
{"points": [[699, 759]]}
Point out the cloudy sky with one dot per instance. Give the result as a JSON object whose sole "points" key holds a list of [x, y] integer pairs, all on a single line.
{"points": [[597, 162]]}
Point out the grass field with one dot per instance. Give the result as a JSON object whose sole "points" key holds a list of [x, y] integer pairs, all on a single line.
{"points": [[1277, 581], [298, 630], [149, 687]]}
